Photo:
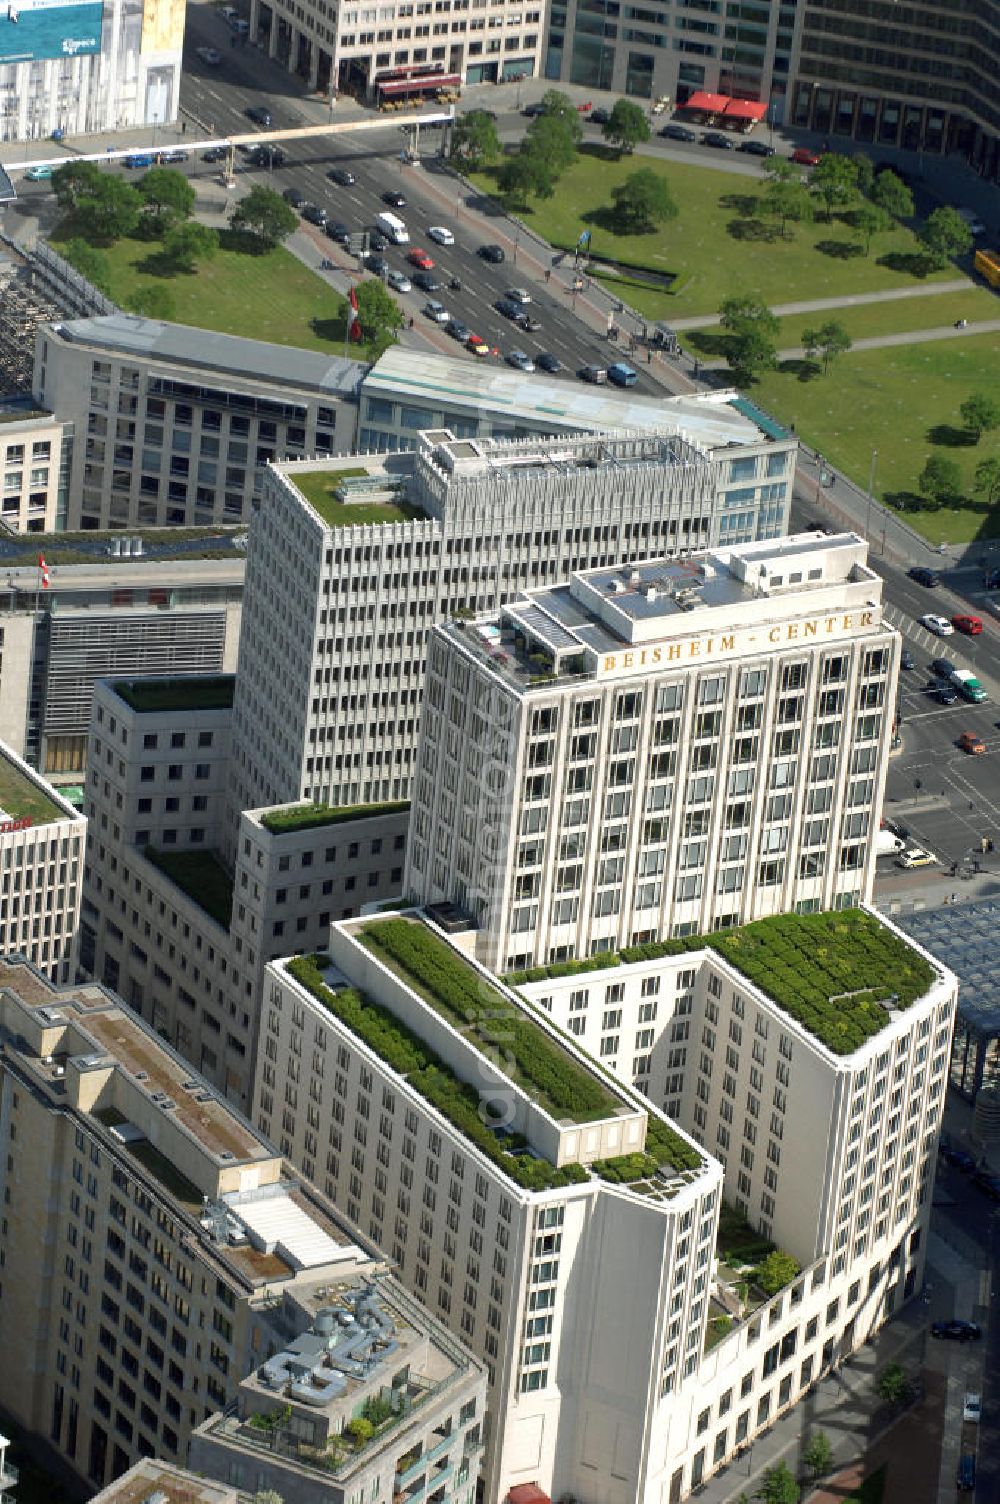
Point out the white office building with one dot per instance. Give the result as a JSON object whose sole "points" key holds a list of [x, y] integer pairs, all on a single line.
{"points": [[664, 749], [42, 841]]}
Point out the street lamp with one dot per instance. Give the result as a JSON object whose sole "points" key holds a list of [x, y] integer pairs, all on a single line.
{"points": [[871, 489]]}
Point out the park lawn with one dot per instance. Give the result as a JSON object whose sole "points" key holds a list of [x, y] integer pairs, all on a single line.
{"points": [[893, 400], [270, 297], [701, 246]]}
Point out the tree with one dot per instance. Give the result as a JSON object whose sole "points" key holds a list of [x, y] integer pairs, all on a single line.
{"points": [[362, 1430], [945, 234], [378, 314], [552, 138], [864, 167], [834, 180], [781, 170], [778, 1486], [829, 341], [168, 194], [642, 202], [892, 1385], [186, 244], [110, 212], [626, 126], [557, 104], [987, 479], [267, 1496], [777, 1270], [892, 195], [750, 353], [788, 201], [74, 181], [818, 1454], [868, 221], [265, 214], [90, 263], [742, 311], [153, 301], [941, 480], [475, 140], [980, 414]]}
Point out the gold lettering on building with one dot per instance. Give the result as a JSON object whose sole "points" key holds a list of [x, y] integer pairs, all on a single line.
{"points": [[733, 642]]}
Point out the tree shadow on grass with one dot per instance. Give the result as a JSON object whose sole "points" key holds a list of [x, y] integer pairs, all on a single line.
{"points": [[752, 230], [746, 205], [801, 368], [840, 250], [243, 243], [481, 203], [601, 153], [604, 218], [332, 330], [914, 263], [160, 265], [708, 342], [950, 437], [905, 501]]}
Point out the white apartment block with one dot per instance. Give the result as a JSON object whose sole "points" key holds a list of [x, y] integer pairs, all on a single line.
{"points": [[337, 616], [34, 454], [586, 1298], [156, 1250], [42, 843], [663, 749]]}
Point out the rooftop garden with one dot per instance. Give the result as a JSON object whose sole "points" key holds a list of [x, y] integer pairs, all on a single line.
{"points": [[838, 974], [328, 493], [666, 1150], [200, 692], [202, 876], [310, 816], [533, 1059], [21, 550], [22, 799]]}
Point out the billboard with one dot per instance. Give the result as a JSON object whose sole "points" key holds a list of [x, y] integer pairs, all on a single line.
{"points": [[31, 29], [162, 25]]}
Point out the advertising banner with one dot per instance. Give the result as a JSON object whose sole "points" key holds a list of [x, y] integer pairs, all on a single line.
{"points": [[31, 29], [162, 26]]}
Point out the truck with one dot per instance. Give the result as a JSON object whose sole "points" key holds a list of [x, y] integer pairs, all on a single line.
{"points": [[967, 685], [987, 264], [393, 228]]}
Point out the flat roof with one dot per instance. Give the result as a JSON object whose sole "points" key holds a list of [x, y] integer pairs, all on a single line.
{"points": [[156, 696], [203, 350], [710, 421], [71, 556], [964, 937], [151, 1479], [24, 795]]}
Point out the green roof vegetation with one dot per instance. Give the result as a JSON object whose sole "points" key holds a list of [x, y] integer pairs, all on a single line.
{"points": [[22, 799], [200, 692], [309, 816], [21, 550], [202, 876], [427, 1073], [533, 1059], [665, 1150], [837, 974], [319, 487]]}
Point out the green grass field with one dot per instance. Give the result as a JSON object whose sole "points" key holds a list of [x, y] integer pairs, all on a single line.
{"points": [[872, 320], [894, 400], [703, 245]]}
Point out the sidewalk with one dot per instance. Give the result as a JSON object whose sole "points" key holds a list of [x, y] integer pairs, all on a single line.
{"points": [[851, 300]]}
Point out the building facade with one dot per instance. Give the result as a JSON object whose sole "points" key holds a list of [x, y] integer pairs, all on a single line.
{"points": [[661, 750], [181, 1256], [174, 425], [35, 452], [42, 844]]}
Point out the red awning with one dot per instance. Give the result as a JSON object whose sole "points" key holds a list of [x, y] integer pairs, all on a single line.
{"points": [[712, 104], [420, 85], [745, 109], [527, 1493]]}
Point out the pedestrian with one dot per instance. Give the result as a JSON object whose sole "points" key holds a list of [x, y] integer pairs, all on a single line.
{"points": [[409, 322], [184, 126], [548, 274]]}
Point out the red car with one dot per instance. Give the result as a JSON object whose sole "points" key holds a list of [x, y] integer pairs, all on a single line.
{"points": [[805, 157], [477, 345], [416, 257], [970, 625]]}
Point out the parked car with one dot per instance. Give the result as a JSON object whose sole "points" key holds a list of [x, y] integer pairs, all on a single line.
{"points": [[394, 199], [756, 148], [477, 345], [210, 55], [315, 214], [170, 157], [342, 176], [972, 742], [440, 235], [139, 159], [945, 694], [338, 231], [925, 576], [436, 312], [494, 253], [520, 360], [420, 258], [805, 157], [972, 1409], [957, 1331], [939, 625], [260, 115], [377, 241], [916, 856], [674, 132], [215, 154], [546, 361], [972, 626], [267, 155], [458, 331], [621, 374], [376, 265], [295, 197], [518, 295], [399, 281], [427, 281], [596, 375], [533, 109], [38, 174], [718, 140], [599, 116], [907, 659]]}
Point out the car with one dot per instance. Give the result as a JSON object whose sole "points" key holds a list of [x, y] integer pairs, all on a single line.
{"points": [[925, 576], [394, 199], [139, 159], [508, 308], [342, 176], [377, 265], [477, 345], [338, 231], [972, 1409], [420, 258], [903, 831], [520, 360], [718, 140], [756, 148], [596, 375], [436, 312], [907, 660], [399, 281], [674, 132], [38, 174], [804, 157], [945, 694], [546, 361], [295, 197], [621, 374], [168, 158], [972, 626], [210, 55], [377, 241], [427, 281], [260, 115], [315, 214], [494, 253], [440, 235], [518, 295], [959, 1158], [956, 1331], [972, 743], [943, 667], [916, 856], [528, 323], [966, 1477], [457, 330], [599, 116], [267, 155], [215, 154], [533, 109], [939, 625]]}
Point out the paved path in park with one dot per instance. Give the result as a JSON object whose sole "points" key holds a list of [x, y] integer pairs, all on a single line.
{"points": [[883, 341], [854, 300]]}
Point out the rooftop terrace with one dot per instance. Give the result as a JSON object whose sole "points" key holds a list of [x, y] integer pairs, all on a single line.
{"points": [[20, 550], [347, 496], [202, 875], [23, 795], [154, 696], [152, 1479]]}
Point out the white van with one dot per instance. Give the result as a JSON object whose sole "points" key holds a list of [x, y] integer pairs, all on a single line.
{"points": [[887, 843], [393, 228]]}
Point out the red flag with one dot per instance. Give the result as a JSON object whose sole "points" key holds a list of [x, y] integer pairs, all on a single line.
{"points": [[353, 298], [354, 329], [43, 570]]}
